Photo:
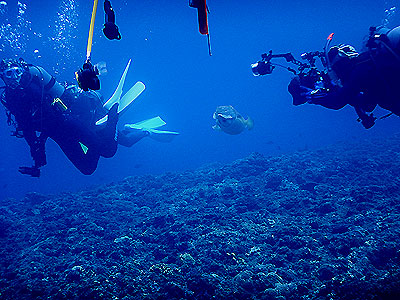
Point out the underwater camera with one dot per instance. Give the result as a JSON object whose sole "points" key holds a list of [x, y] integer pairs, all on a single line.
{"points": [[262, 68], [265, 66], [304, 69]]}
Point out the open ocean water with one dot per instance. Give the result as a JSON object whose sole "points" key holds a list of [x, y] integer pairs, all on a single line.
{"points": [[304, 206]]}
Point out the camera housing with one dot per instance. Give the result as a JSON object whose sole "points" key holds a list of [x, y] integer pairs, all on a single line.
{"points": [[262, 68]]}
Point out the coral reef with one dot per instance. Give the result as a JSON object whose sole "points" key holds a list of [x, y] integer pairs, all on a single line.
{"points": [[311, 225]]}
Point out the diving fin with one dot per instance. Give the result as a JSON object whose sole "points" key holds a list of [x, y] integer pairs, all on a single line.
{"points": [[131, 95], [161, 135], [147, 124], [126, 100], [249, 123], [118, 91]]}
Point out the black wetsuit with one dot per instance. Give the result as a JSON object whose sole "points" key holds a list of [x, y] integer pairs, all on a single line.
{"points": [[79, 138], [74, 130], [368, 80], [110, 29]]}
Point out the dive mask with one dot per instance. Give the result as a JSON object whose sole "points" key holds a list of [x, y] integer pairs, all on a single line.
{"points": [[12, 76]]}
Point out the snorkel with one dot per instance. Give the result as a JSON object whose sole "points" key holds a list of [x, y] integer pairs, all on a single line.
{"points": [[331, 73], [326, 49]]}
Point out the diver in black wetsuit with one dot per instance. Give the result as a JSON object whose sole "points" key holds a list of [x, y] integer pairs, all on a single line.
{"points": [[365, 79], [40, 108], [110, 29]]}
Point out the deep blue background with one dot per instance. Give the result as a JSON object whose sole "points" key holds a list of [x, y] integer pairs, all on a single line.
{"points": [[185, 85]]}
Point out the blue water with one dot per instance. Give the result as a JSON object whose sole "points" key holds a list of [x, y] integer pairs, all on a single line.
{"points": [[184, 84]]}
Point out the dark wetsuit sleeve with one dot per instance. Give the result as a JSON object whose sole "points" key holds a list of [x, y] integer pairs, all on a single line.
{"points": [[298, 92], [336, 98]]}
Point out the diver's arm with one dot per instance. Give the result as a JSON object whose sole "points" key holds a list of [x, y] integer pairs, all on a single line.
{"points": [[298, 92], [329, 98]]}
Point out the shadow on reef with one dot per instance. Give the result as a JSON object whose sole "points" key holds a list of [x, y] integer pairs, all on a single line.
{"points": [[311, 225]]}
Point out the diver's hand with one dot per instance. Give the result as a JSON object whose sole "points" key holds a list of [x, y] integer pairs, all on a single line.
{"points": [[32, 171], [298, 92]]}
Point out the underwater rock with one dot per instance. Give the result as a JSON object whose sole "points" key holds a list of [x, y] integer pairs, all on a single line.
{"points": [[35, 198]]}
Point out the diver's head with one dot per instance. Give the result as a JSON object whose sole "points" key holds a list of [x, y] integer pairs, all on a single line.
{"points": [[11, 72], [341, 58]]}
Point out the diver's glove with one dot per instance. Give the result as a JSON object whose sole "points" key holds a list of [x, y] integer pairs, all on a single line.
{"points": [[32, 171]]}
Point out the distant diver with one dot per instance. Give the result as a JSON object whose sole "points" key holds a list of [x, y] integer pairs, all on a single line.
{"points": [[363, 80], [87, 76], [202, 11], [110, 29], [40, 108], [3, 8], [228, 120]]}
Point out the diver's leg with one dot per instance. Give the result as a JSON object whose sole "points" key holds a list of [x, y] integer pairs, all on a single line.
{"points": [[128, 138], [84, 159], [108, 135], [102, 139], [82, 145]]}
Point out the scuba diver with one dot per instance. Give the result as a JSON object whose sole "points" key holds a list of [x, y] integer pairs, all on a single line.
{"points": [[363, 80], [40, 108], [87, 76], [110, 29]]}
